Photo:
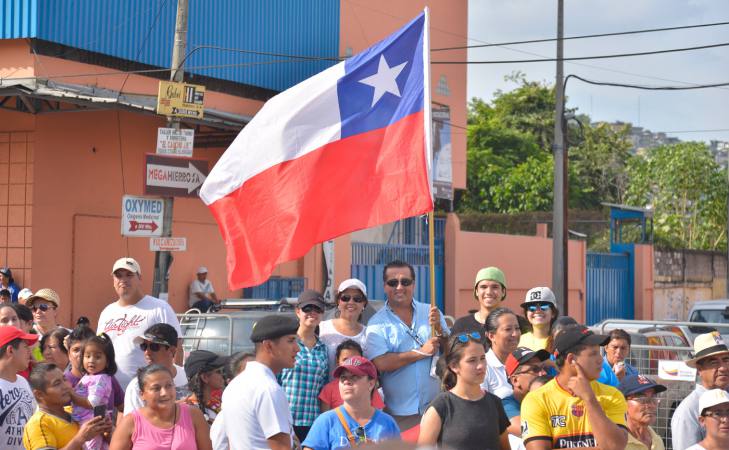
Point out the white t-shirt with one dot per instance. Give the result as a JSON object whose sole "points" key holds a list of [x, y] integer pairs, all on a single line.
{"points": [[697, 447], [255, 409], [496, 381], [124, 323], [133, 396], [17, 404], [196, 286], [332, 338], [217, 433]]}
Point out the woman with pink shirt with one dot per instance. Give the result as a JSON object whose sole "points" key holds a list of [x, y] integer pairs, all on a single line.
{"points": [[161, 423]]}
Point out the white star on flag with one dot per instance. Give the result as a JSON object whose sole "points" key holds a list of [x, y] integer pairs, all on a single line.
{"points": [[384, 80]]}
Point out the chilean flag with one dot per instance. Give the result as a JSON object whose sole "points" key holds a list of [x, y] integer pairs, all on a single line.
{"points": [[344, 150]]}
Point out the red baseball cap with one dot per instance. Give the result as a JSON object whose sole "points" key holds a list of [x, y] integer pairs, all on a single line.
{"points": [[10, 333], [357, 365]]}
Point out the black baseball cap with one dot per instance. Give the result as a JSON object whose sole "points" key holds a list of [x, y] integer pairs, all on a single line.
{"points": [[159, 333], [274, 326], [522, 355], [203, 361], [311, 297], [577, 335]]}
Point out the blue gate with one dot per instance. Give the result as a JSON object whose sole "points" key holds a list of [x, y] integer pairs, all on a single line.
{"points": [[408, 242], [609, 287]]}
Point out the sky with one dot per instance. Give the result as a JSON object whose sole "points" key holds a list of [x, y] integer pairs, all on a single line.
{"points": [[494, 21]]}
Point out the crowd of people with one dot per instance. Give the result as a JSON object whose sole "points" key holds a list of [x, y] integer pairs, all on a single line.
{"points": [[497, 379]]}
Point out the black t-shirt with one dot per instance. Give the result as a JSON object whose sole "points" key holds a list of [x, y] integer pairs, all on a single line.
{"points": [[467, 323], [470, 424]]}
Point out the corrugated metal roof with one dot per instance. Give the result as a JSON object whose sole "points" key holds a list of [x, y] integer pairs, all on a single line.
{"points": [[143, 30]]}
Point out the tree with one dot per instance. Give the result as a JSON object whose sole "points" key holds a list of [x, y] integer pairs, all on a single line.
{"points": [[687, 191]]}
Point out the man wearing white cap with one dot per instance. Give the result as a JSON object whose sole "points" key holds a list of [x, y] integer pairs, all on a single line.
{"points": [[202, 293], [714, 417], [130, 316], [711, 360]]}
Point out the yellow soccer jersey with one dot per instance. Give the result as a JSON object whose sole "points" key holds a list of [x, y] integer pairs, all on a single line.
{"points": [[552, 413], [47, 431]]}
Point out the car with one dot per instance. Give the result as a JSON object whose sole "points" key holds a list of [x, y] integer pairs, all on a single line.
{"points": [[709, 311]]}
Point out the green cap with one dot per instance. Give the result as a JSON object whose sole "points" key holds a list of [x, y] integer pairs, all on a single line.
{"points": [[490, 273]]}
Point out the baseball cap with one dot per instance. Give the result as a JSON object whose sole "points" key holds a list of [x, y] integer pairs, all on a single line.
{"points": [[539, 295], [522, 355], [706, 345], [711, 398], [274, 326], [636, 384], [202, 361], [352, 283], [358, 365], [7, 272], [202, 269], [46, 294], [577, 335], [10, 333], [311, 297], [159, 333], [25, 294], [127, 263]]}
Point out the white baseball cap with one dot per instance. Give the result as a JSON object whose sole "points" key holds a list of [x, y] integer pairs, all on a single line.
{"points": [[126, 263], [539, 295], [712, 397], [352, 283], [202, 269]]}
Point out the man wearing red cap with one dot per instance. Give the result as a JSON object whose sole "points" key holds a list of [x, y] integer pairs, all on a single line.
{"points": [[16, 398]]}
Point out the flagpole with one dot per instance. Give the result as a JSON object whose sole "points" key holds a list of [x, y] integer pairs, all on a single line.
{"points": [[431, 247]]}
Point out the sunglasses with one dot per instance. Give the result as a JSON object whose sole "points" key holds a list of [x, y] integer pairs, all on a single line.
{"points": [[718, 415], [311, 308], [529, 369], [346, 298], [43, 307], [152, 346], [643, 400], [404, 281], [359, 434], [542, 307], [464, 337]]}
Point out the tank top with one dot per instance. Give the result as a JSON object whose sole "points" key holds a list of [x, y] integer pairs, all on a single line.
{"points": [[149, 437]]}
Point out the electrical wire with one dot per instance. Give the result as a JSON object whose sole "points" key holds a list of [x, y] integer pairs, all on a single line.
{"points": [[584, 36], [580, 58], [647, 88]]}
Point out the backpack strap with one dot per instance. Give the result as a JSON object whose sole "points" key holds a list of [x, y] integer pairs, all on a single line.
{"points": [[343, 421]]}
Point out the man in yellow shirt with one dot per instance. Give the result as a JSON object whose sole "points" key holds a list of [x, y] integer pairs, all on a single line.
{"points": [[573, 410], [51, 427]]}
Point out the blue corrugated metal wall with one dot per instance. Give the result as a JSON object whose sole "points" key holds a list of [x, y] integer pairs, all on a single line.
{"points": [[609, 287], [142, 31]]}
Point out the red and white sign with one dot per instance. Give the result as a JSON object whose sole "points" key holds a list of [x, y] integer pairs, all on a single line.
{"points": [[142, 216], [168, 244]]}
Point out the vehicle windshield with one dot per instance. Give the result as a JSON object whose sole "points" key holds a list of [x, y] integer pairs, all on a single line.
{"points": [[709, 316]]}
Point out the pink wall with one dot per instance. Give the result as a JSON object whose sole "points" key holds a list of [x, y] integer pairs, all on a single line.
{"points": [[525, 260]]}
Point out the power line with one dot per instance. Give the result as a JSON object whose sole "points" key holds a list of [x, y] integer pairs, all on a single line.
{"points": [[643, 87], [580, 58], [584, 36]]}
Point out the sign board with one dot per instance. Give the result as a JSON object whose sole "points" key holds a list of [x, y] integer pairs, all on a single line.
{"points": [[171, 141], [328, 249], [180, 99], [676, 371], [442, 165], [142, 216], [167, 244], [171, 176]]}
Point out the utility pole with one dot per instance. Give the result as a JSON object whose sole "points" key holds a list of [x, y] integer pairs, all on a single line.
{"points": [[559, 214], [163, 260]]}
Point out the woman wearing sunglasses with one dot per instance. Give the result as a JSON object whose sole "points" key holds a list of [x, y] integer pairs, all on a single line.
{"points": [[541, 311], [303, 382], [204, 372], [351, 301], [464, 417]]}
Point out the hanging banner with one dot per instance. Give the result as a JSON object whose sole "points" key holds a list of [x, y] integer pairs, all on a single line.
{"points": [[442, 165]]}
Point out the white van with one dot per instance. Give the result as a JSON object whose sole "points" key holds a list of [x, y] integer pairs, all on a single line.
{"points": [[709, 311]]}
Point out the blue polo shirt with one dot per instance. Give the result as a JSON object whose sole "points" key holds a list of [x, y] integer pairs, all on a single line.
{"points": [[409, 389]]}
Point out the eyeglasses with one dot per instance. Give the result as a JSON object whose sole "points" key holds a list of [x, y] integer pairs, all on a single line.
{"points": [[529, 369], [311, 308], [643, 400], [403, 281], [542, 307], [359, 434], [346, 298], [152, 346], [718, 415], [464, 337], [43, 307]]}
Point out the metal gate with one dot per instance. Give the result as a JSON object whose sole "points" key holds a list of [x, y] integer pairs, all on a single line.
{"points": [[609, 287], [408, 242]]}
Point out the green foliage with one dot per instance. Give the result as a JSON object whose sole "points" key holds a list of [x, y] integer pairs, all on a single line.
{"points": [[688, 192]]}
